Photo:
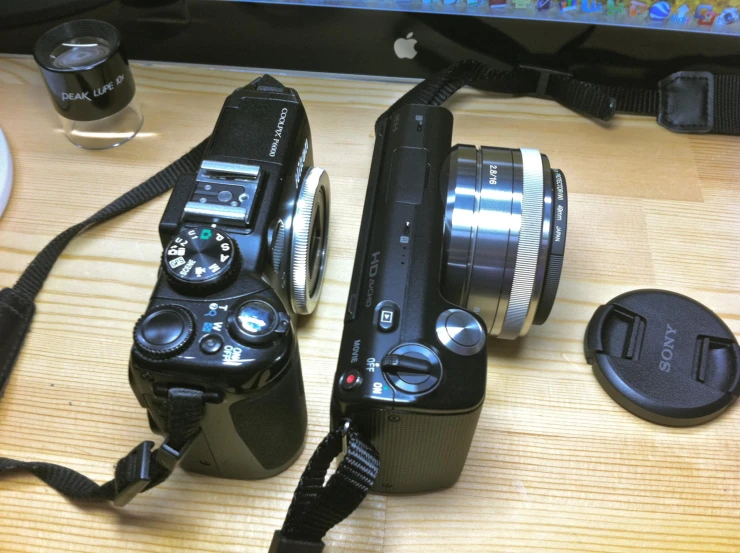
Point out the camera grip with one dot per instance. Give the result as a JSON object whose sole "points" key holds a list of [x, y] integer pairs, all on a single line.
{"points": [[420, 451], [257, 434], [274, 423]]}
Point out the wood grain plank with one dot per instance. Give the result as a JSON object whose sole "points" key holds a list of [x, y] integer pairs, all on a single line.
{"points": [[556, 465]]}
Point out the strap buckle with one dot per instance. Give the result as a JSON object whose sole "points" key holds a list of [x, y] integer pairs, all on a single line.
{"points": [[543, 80], [166, 459], [344, 431], [142, 453]]}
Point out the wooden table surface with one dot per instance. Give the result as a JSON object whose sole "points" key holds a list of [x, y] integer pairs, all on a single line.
{"points": [[555, 464]]}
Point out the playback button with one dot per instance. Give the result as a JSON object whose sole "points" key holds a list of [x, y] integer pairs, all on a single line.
{"points": [[387, 314]]}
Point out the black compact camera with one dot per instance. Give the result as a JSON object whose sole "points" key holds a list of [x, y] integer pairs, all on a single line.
{"points": [[244, 254], [454, 246]]}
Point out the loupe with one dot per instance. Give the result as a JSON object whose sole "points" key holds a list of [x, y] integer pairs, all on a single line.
{"points": [[90, 83]]}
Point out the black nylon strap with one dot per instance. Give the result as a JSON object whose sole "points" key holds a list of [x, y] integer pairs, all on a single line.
{"points": [[726, 105], [647, 101], [318, 507], [595, 100], [142, 469], [574, 93], [16, 313], [30, 282], [17, 304]]}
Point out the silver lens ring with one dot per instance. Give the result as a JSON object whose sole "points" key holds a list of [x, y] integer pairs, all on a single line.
{"points": [[309, 240], [460, 232], [528, 251], [497, 230], [500, 246]]}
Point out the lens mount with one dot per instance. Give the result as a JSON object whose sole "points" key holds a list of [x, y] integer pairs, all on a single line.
{"points": [[309, 239], [502, 253]]}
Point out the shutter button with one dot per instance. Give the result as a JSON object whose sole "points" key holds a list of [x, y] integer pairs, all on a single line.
{"points": [[460, 332]]}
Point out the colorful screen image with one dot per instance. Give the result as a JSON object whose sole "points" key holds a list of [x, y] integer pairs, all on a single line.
{"points": [[720, 16]]}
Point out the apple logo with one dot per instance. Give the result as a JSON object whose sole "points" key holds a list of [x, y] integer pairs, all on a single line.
{"points": [[405, 47]]}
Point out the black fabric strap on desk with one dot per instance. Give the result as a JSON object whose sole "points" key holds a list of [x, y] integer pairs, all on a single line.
{"points": [[142, 469], [687, 101], [17, 304]]}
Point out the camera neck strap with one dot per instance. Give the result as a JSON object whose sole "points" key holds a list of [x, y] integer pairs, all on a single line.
{"points": [[17, 304], [318, 506], [144, 467], [685, 102]]}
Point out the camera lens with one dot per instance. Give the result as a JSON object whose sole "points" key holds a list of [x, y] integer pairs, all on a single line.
{"points": [[79, 53], [309, 239], [504, 235]]}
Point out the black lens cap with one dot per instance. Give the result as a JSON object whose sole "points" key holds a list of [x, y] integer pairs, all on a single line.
{"points": [[664, 357]]}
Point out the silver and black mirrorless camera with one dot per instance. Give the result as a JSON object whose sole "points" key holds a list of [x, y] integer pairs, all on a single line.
{"points": [[454, 246], [244, 254]]}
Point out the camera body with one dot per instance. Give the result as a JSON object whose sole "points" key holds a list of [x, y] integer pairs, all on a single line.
{"points": [[237, 238], [456, 244], [411, 374]]}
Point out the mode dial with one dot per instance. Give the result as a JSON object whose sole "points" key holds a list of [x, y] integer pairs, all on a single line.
{"points": [[164, 331], [199, 261]]}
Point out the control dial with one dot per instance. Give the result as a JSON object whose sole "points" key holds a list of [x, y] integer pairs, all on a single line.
{"points": [[199, 261], [164, 331]]}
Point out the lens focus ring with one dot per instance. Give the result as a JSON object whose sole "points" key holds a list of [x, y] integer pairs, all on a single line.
{"points": [[530, 235], [309, 240]]}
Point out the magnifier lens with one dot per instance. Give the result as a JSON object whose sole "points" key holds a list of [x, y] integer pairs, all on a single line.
{"points": [[79, 53], [90, 83]]}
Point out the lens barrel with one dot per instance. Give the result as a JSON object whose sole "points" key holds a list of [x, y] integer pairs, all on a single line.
{"points": [[504, 235]]}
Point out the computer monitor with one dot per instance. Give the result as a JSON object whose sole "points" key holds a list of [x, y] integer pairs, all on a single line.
{"points": [[603, 40]]}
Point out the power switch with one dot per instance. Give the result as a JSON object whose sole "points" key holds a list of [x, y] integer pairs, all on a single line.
{"points": [[412, 368]]}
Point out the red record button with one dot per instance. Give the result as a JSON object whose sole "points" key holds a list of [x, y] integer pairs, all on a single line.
{"points": [[350, 380]]}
